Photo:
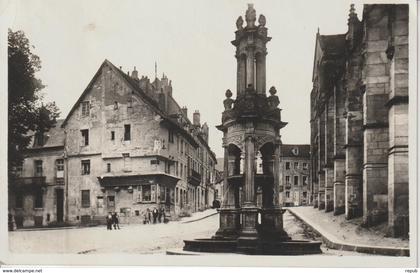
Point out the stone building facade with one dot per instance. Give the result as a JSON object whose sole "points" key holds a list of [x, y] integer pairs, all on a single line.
{"points": [[37, 197], [128, 146], [359, 119], [295, 174]]}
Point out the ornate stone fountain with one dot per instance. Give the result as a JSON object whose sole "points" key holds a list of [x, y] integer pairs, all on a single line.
{"points": [[251, 216]]}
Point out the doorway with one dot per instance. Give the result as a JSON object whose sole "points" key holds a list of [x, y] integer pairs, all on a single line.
{"points": [[60, 204]]}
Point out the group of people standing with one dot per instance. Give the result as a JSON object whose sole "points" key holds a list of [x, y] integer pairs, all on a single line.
{"points": [[112, 220], [152, 216]]}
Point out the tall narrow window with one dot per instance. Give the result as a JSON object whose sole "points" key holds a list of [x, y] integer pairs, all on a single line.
{"points": [[127, 162], [304, 180], [170, 136], [38, 202], [85, 167], [38, 168], [287, 180], [296, 180], [85, 108], [127, 132], [305, 166], [108, 167], [112, 135], [163, 190], [85, 137], [85, 198], [59, 168], [146, 193], [296, 165], [287, 165]]}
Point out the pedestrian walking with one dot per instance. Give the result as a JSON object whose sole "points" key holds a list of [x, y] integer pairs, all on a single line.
{"points": [[115, 220], [161, 215], [155, 215], [109, 221], [149, 216]]}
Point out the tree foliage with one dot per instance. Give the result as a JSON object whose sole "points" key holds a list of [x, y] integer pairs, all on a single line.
{"points": [[27, 112]]}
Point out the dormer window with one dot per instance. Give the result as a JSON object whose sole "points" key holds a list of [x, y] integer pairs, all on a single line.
{"points": [[39, 139], [85, 108]]}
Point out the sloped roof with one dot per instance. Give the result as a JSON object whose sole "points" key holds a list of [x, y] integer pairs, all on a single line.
{"points": [[295, 150], [132, 83], [174, 107], [53, 138]]}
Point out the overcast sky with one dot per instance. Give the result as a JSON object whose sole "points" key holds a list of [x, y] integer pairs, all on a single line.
{"points": [[189, 40]]}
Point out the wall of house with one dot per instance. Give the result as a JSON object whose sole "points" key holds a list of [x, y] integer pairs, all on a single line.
{"points": [[113, 104], [296, 193], [29, 215]]}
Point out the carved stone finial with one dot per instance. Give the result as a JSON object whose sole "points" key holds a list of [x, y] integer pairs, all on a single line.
{"points": [[227, 103], [352, 13], [272, 90], [262, 20], [352, 9], [273, 101], [228, 93], [239, 23], [250, 16]]}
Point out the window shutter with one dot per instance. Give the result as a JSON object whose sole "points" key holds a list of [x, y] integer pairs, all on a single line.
{"points": [[158, 193], [140, 194], [153, 193]]}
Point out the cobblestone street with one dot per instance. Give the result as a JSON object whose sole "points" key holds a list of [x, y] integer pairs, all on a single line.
{"points": [[135, 239], [140, 239]]}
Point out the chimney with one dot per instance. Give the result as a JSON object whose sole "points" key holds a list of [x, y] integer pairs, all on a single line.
{"points": [[135, 74], [196, 118], [185, 111]]}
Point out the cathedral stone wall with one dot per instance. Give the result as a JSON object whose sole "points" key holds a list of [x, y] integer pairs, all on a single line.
{"points": [[359, 119]]}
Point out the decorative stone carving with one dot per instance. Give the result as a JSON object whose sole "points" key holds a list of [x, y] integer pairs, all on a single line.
{"points": [[228, 101], [250, 16], [262, 20], [263, 139], [273, 100], [236, 140], [239, 23]]}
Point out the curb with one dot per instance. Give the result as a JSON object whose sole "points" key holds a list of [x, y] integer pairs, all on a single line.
{"points": [[389, 251], [198, 219], [45, 228]]}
